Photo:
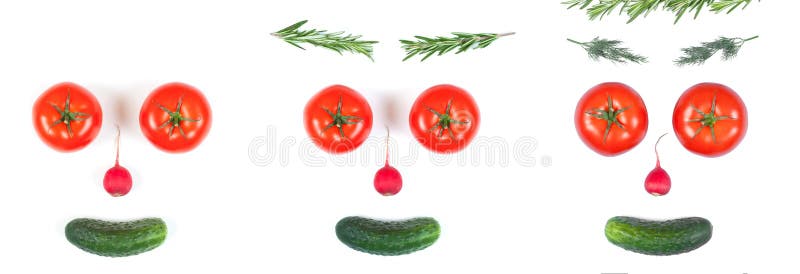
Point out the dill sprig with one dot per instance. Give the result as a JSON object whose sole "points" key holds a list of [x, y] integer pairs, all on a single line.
{"points": [[609, 49], [641, 8], [700, 54], [439, 45], [335, 41]]}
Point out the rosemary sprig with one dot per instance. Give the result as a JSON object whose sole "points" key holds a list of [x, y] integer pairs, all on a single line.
{"points": [[641, 8], [609, 49], [729, 5], [335, 41], [603, 8], [440, 45], [681, 7], [573, 3], [700, 54]]}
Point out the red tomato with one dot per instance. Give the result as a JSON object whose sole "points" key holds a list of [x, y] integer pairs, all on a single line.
{"points": [[175, 117], [338, 119], [611, 118], [710, 119], [67, 117], [444, 119]]}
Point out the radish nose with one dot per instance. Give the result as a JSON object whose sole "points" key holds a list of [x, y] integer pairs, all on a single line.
{"points": [[658, 182], [388, 181]]}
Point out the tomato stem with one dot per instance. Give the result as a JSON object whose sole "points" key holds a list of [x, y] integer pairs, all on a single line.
{"points": [[175, 118], [709, 119], [609, 115], [339, 120], [445, 121], [67, 116]]}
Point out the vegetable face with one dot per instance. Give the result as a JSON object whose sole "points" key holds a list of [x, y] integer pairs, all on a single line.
{"points": [[611, 119], [710, 119], [67, 117], [444, 119], [338, 119], [175, 117]]}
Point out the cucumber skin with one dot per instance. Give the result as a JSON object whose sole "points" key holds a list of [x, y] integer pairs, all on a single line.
{"points": [[388, 238], [116, 239], [660, 238]]}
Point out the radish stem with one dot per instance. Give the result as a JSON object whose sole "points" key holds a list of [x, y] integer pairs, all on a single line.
{"points": [[658, 159], [116, 162]]}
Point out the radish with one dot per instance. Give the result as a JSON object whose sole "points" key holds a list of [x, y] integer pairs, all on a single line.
{"points": [[658, 182], [388, 181], [117, 181]]}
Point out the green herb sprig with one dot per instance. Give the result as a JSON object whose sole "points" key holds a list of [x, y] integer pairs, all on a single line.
{"points": [[641, 8], [700, 54], [439, 45], [609, 49], [729, 5], [335, 41]]}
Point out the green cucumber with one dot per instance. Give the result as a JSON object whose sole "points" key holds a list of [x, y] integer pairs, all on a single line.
{"points": [[387, 238], [116, 239], [658, 237]]}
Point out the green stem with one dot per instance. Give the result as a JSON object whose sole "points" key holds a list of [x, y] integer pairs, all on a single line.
{"points": [[505, 34], [446, 121], [576, 42], [339, 120], [610, 116], [175, 118], [68, 116], [709, 119]]}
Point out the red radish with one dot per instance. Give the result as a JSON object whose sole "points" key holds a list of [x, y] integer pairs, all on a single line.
{"points": [[388, 181], [117, 181], [658, 182]]}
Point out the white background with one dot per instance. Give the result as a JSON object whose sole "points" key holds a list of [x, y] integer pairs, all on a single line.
{"points": [[228, 214]]}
